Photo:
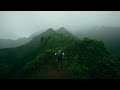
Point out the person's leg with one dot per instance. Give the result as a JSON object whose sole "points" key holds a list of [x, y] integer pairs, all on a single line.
{"points": [[58, 64], [61, 63]]}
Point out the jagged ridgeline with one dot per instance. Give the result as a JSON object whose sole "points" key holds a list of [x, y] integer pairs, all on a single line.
{"points": [[84, 59]]}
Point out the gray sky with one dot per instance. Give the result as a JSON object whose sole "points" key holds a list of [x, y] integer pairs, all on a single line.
{"points": [[25, 23]]}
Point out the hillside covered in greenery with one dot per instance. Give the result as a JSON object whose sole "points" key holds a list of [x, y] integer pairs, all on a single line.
{"points": [[84, 58], [109, 35]]}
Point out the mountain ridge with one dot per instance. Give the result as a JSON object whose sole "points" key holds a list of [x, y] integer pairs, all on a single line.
{"points": [[84, 58], [8, 43], [65, 32]]}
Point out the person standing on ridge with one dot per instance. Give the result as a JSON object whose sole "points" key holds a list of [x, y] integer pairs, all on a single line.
{"points": [[60, 55]]}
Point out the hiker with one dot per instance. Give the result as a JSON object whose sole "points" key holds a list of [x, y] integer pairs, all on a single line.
{"points": [[60, 55]]}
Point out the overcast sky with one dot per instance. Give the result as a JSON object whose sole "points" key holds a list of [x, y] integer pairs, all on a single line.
{"points": [[25, 23]]}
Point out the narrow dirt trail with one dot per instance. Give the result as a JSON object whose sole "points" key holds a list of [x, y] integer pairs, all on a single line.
{"points": [[53, 74]]}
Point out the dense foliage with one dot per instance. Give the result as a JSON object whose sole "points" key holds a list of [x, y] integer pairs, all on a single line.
{"points": [[84, 59]]}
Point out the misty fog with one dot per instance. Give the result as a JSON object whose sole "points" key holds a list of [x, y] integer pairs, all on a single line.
{"points": [[16, 24]]}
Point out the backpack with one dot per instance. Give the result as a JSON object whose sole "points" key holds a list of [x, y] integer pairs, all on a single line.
{"points": [[59, 54]]}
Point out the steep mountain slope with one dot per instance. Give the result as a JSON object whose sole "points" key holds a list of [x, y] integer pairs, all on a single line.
{"points": [[35, 34], [64, 31]]}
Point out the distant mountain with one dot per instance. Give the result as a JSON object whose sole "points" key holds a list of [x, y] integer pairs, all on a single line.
{"points": [[35, 34], [64, 31], [48, 32], [9, 43]]}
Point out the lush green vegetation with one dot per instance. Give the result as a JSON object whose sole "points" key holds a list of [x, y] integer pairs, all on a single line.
{"points": [[84, 58], [109, 35]]}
